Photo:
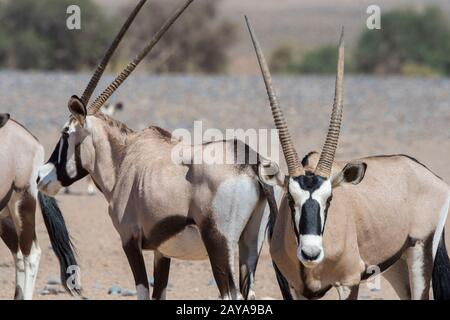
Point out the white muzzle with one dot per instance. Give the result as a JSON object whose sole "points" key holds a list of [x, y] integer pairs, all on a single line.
{"points": [[310, 250]]}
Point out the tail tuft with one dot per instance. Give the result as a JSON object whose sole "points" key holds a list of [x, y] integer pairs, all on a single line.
{"points": [[441, 272], [60, 240]]}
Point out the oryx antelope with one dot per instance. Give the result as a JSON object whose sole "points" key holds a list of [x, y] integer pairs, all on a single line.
{"points": [[21, 155], [109, 109], [177, 210], [338, 218]]}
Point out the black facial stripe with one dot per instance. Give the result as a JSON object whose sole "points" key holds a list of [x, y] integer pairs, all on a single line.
{"points": [[54, 157], [293, 211], [81, 172], [60, 166], [310, 219], [309, 182], [325, 212]]}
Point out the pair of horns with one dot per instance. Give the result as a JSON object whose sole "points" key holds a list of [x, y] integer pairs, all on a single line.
{"points": [[104, 96], [108, 54], [327, 155]]}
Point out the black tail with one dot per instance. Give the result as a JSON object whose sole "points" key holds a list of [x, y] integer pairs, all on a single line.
{"points": [[282, 283], [270, 196], [60, 240], [441, 272]]}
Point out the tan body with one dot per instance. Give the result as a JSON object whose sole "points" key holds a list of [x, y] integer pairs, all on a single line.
{"points": [[157, 190], [182, 211], [21, 155], [398, 204]]}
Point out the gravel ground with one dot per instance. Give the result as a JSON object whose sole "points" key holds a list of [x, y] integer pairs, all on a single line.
{"points": [[382, 116]]}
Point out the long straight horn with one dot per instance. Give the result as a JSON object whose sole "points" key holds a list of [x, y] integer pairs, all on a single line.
{"points": [[294, 167], [108, 54], [98, 103], [329, 149]]}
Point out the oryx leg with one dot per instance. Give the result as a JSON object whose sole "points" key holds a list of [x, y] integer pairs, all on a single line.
{"points": [[233, 205], [9, 236], [161, 267], [420, 265], [398, 278], [250, 244], [133, 251], [23, 209], [221, 257]]}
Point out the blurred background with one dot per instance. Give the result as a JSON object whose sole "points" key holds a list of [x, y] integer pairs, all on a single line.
{"points": [[299, 36], [397, 96]]}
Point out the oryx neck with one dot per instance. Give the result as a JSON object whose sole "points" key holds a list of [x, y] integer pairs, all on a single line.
{"points": [[110, 139]]}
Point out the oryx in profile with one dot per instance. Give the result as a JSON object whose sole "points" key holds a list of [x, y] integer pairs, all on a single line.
{"points": [[177, 209], [110, 109], [21, 155], [337, 219]]}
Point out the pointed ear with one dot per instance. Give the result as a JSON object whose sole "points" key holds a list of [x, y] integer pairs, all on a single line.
{"points": [[269, 172], [77, 109], [4, 117], [352, 173]]}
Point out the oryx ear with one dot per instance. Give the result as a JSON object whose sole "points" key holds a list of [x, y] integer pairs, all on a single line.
{"points": [[77, 109], [4, 117], [352, 173], [269, 172]]}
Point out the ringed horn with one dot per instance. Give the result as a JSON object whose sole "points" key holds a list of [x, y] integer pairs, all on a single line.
{"points": [[108, 54], [295, 168], [104, 96], [329, 149]]}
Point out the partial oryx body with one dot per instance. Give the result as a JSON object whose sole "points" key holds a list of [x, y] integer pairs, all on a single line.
{"points": [[375, 223], [21, 155], [110, 109], [338, 219], [179, 210]]}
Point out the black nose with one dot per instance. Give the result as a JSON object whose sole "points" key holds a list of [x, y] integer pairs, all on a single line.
{"points": [[311, 255], [38, 179]]}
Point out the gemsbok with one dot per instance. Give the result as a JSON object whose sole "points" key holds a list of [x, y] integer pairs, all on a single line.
{"points": [[176, 209], [337, 219], [109, 109], [21, 155]]}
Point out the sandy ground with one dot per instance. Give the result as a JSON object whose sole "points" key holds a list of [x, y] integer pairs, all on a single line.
{"points": [[382, 116]]}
